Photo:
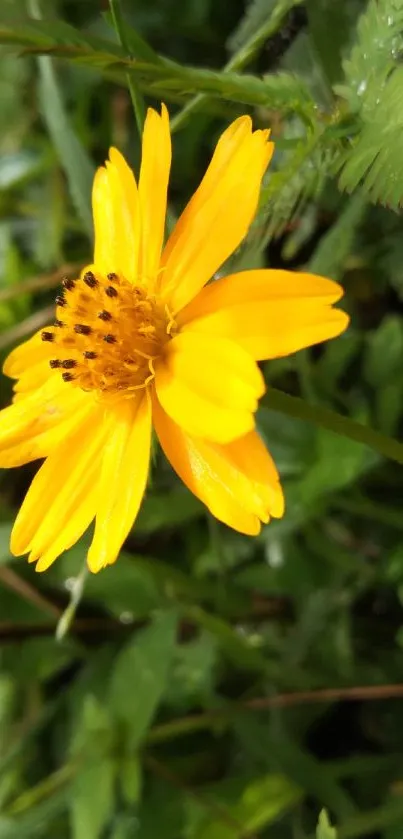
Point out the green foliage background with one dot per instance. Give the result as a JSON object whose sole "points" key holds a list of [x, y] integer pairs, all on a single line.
{"points": [[212, 686]]}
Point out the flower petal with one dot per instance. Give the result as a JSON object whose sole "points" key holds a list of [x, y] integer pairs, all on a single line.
{"points": [[63, 496], [269, 313], [238, 483], [115, 208], [153, 186], [47, 431], [210, 386], [218, 216], [27, 355], [122, 482], [34, 414]]}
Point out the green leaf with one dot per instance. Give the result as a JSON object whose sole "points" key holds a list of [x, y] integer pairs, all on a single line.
{"points": [[37, 819], [131, 779], [329, 29], [262, 20], [324, 829], [373, 89], [259, 14], [285, 93], [275, 743], [5, 533], [335, 246], [382, 361], [296, 407], [301, 176], [140, 676], [259, 804], [135, 45], [73, 157], [168, 510], [92, 799], [242, 654]]}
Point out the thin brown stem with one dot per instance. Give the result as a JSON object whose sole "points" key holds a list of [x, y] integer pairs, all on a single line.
{"points": [[28, 592], [26, 327], [200, 722], [40, 283]]}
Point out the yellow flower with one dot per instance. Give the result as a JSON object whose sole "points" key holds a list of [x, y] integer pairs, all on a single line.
{"points": [[139, 340]]}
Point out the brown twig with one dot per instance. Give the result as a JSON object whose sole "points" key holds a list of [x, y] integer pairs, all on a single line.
{"points": [[352, 694], [40, 283], [27, 591], [201, 722], [11, 632], [30, 324]]}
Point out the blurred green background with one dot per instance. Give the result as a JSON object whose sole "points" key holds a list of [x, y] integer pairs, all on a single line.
{"points": [[210, 685]]}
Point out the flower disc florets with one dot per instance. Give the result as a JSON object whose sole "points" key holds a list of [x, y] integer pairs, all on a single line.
{"points": [[108, 334]]}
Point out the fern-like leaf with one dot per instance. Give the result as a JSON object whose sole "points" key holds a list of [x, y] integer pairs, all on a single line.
{"points": [[374, 91]]}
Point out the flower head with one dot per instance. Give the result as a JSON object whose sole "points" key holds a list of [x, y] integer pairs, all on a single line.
{"points": [[139, 339]]}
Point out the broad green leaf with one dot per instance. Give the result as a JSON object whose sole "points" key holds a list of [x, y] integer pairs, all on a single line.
{"points": [[140, 676], [92, 799]]}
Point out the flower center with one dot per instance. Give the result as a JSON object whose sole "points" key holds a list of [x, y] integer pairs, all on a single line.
{"points": [[107, 334]]}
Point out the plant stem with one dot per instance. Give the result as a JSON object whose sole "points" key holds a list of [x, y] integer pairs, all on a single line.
{"points": [[135, 93], [241, 57]]}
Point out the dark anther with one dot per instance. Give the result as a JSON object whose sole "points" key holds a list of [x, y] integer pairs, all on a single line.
{"points": [[104, 315], [67, 377], [68, 284], [60, 301], [110, 339], [69, 363], [111, 291], [82, 329], [90, 280], [48, 336], [54, 363], [58, 322], [90, 354], [112, 277]]}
